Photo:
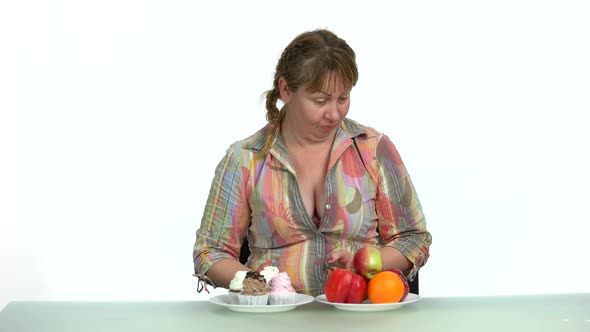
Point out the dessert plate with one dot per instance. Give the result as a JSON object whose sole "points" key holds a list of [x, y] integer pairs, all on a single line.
{"points": [[368, 306], [223, 300]]}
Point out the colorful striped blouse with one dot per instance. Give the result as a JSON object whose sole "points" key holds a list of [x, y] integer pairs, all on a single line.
{"points": [[370, 200]]}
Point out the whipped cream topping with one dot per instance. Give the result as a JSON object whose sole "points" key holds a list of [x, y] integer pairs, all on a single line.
{"points": [[237, 283], [269, 272]]}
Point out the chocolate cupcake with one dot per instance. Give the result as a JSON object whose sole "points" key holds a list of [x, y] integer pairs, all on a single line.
{"points": [[254, 290]]}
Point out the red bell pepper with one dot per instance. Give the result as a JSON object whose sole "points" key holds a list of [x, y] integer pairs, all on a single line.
{"points": [[344, 286]]}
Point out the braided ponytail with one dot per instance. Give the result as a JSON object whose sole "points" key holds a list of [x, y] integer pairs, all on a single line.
{"points": [[273, 116], [272, 112]]}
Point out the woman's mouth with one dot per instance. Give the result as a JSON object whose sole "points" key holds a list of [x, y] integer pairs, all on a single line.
{"points": [[328, 128]]}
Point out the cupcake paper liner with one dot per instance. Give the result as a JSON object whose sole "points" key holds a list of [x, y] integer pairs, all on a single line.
{"points": [[233, 297], [253, 299], [281, 298]]}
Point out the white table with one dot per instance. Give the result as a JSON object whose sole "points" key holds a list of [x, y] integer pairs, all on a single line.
{"points": [[565, 312]]}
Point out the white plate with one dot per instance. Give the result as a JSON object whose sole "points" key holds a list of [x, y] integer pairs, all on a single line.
{"points": [[368, 306], [223, 300]]}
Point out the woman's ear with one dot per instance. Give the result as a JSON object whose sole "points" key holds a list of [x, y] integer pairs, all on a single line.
{"points": [[284, 90]]}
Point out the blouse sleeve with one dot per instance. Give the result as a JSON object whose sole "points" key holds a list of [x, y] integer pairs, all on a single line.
{"points": [[401, 222], [226, 217]]}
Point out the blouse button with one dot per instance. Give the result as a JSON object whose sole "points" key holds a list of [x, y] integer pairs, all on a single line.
{"points": [[328, 206]]}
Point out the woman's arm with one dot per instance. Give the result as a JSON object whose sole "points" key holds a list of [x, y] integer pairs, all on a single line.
{"points": [[225, 220], [394, 259], [402, 226], [222, 272]]}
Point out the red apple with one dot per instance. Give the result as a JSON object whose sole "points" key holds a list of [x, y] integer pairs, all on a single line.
{"points": [[367, 262]]}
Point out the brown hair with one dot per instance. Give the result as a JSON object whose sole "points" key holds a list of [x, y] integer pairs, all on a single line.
{"points": [[307, 62]]}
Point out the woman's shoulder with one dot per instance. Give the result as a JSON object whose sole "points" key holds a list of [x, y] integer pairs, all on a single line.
{"points": [[370, 141], [250, 144], [361, 132]]}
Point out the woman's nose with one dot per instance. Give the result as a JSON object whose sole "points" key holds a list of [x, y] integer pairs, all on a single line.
{"points": [[332, 112]]}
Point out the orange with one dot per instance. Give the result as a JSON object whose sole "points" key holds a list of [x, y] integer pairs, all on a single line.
{"points": [[386, 287]]}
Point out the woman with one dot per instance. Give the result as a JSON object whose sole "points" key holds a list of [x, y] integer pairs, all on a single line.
{"points": [[311, 187]]}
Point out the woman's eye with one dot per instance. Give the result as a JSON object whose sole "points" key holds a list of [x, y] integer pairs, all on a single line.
{"points": [[320, 101], [343, 99]]}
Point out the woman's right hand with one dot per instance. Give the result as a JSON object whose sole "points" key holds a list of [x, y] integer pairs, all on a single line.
{"points": [[341, 259]]}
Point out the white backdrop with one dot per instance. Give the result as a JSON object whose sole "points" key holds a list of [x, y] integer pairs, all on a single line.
{"points": [[114, 114]]}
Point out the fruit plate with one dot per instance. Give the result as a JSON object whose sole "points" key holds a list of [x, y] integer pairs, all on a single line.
{"points": [[223, 300], [368, 306]]}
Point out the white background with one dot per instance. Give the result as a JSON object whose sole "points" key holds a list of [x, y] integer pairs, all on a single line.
{"points": [[114, 114]]}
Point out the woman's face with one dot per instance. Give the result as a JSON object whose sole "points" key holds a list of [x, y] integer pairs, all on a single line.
{"points": [[316, 115]]}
